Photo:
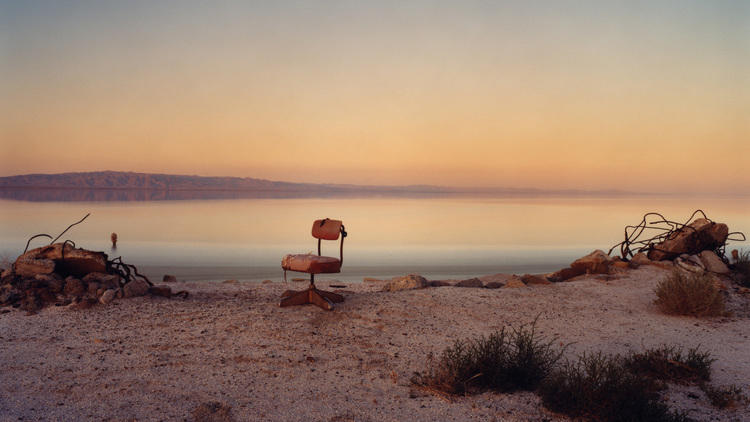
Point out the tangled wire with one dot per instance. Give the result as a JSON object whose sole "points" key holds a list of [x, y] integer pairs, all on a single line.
{"points": [[635, 240], [127, 272]]}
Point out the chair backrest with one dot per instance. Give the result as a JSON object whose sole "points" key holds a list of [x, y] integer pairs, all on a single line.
{"points": [[326, 229]]}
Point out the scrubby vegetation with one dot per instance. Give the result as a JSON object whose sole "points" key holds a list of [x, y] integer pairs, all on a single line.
{"points": [[741, 267], [723, 397], [694, 295], [504, 361], [669, 363], [593, 386], [601, 387]]}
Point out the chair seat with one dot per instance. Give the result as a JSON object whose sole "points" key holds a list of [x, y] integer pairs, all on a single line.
{"points": [[312, 264]]}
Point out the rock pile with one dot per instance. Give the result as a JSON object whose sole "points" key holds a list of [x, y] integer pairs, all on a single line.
{"points": [[698, 236], [64, 275]]}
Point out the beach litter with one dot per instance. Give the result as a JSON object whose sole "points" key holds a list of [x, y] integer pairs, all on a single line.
{"points": [[65, 275]]}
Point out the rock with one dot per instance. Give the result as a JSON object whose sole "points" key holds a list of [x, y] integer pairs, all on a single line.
{"points": [[92, 288], [266, 281], [163, 291], [713, 263], [371, 280], [494, 285], [108, 296], [6, 274], [135, 288], [233, 281], [46, 278], [108, 281], [411, 281], [596, 262], [472, 282], [31, 303], [617, 264], [697, 236], [689, 265], [440, 283], [530, 279], [70, 260], [564, 274], [74, 287], [499, 277], [55, 285], [84, 303], [119, 294], [639, 259], [29, 267], [169, 278], [514, 282]]}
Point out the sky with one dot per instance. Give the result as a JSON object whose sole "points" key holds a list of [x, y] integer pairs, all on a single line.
{"points": [[644, 96]]}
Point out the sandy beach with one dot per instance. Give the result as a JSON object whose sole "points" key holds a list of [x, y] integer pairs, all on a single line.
{"points": [[150, 358]]}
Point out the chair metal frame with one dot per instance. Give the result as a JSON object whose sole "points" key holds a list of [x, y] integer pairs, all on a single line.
{"points": [[313, 295]]}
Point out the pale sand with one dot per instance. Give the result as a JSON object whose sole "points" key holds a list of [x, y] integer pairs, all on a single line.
{"points": [[157, 359]]}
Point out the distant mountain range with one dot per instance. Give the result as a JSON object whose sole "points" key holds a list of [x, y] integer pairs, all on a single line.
{"points": [[116, 185]]}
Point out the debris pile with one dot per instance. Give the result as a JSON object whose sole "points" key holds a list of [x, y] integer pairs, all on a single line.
{"points": [[64, 275], [696, 246]]}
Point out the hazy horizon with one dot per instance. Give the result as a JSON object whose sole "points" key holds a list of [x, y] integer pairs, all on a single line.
{"points": [[650, 96]]}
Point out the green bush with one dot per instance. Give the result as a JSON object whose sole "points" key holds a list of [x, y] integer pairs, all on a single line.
{"points": [[694, 295], [504, 361], [601, 387]]}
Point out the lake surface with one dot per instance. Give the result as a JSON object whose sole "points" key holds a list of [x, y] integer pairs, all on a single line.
{"points": [[439, 238]]}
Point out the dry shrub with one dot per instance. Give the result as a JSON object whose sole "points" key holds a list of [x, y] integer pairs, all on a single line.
{"points": [[603, 388], [669, 363], [693, 294], [724, 397], [504, 361], [741, 267]]}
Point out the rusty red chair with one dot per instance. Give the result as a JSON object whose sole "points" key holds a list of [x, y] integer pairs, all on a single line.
{"points": [[325, 229]]}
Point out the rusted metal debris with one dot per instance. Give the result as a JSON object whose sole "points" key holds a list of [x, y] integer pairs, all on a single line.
{"points": [[651, 236], [62, 274]]}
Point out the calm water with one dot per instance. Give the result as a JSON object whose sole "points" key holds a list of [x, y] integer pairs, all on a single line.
{"points": [[437, 237]]}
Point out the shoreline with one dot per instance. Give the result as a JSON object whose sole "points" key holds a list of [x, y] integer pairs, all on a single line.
{"points": [[350, 274], [153, 358]]}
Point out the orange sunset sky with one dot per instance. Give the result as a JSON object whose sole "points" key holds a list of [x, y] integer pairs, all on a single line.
{"points": [[643, 96]]}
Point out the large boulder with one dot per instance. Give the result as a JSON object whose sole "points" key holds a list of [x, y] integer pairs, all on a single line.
{"points": [[411, 281], [694, 238], [63, 259], [713, 263], [596, 262], [27, 266]]}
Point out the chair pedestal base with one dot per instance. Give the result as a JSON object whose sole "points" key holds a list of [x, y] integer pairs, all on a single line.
{"points": [[312, 295]]}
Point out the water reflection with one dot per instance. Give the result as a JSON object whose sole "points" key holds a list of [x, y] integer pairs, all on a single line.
{"points": [[455, 236]]}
